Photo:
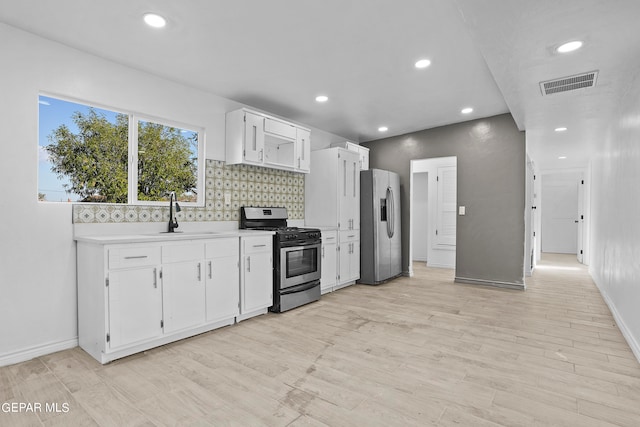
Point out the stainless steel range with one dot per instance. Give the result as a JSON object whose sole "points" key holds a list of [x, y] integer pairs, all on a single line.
{"points": [[296, 257]]}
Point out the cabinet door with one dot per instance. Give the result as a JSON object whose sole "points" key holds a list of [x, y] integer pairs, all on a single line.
{"points": [[329, 263], [253, 138], [257, 282], [303, 149], [183, 295], [135, 306], [223, 287], [348, 188], [354, 266], [364, 159], [354, 200]]}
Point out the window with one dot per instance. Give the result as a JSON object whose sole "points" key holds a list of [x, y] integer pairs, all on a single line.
{"points": [[93, 155]]}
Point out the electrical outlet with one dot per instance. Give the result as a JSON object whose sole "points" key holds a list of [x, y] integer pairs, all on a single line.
{"points": [[462, 210]]}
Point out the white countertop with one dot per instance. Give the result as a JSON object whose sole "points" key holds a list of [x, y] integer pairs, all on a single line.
{"points": [[104, 239]]}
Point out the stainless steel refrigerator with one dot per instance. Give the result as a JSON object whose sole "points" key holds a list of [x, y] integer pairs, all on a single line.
{"points": [[380, 248]]}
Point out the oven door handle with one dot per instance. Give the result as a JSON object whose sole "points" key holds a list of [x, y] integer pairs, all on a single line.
{"points": [[299, 288]]}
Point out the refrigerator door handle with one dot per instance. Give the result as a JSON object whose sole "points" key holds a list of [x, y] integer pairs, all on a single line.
{"points": [[390, 212]]}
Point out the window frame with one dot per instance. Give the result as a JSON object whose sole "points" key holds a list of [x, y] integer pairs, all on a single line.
{"points": [[132, 144]]}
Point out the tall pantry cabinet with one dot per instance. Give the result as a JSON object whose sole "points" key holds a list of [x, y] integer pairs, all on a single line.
{"points": [[332, 199]]}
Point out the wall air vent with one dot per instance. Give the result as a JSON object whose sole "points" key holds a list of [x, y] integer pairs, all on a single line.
{"points": [[565, 84]]}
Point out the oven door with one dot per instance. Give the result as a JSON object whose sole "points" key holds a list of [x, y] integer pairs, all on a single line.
{"points": [[299, 264]]}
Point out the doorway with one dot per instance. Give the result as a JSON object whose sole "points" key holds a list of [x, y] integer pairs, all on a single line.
{"points": [[432, 223], [562, 214]]}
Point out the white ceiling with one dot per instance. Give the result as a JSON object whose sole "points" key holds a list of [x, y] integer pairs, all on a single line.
{"points": [[277, 55]]}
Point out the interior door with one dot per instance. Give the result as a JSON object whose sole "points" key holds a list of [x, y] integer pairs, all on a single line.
{"points": [[559, 214]]}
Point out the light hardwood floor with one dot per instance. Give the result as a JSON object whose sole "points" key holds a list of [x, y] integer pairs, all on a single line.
{"points": [[412, 352]]}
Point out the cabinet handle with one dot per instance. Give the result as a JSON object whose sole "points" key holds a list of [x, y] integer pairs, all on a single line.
{"points": [[344, 176], [249, 264], [255, 137], [136, 257], [298, 162], [210, 271], [199, 272], [354, 179], [323, 252], [261, 154], [353, 235], [155, 278], [259, 246]]}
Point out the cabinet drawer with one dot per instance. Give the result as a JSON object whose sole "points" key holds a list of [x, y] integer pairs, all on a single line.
{"points": [[252, 245], [349, 236], [222, 248], [134, 256], [180, 252], [279, 128], [329, 237]]}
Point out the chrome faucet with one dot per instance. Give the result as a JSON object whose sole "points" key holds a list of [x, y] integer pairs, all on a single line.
{"points": [[173, 222]]}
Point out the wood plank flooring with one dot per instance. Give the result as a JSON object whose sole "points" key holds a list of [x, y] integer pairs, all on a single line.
{"points": [[413, 352]]}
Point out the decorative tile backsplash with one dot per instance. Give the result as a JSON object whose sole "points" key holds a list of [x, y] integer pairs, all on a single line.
{"points": [[248, 186]]}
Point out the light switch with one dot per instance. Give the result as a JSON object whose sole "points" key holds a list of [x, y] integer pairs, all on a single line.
{"points": [[227, 199], [462, 210]]}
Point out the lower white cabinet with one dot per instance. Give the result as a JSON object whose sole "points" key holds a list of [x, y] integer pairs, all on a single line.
{"points": [[222, 279], [329, 263], [135, 296], [183, 289], [349, 257], [135, 306], [256, 277]]}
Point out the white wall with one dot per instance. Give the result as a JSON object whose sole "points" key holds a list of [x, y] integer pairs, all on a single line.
{"points": [[419, 231], [37, 252], [615, 220]]}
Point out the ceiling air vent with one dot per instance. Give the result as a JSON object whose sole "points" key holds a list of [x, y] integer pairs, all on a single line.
{"points": [[565, 84]]}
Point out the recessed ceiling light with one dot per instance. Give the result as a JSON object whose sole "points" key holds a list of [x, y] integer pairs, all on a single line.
{"points": [[562, 157], [322, 98], [560, 129], [467, 110], [383, 129], [569, 46], [423, 63], [154, 20]]}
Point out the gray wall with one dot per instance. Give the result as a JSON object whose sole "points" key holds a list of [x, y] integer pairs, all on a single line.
{"points": [[491, 184]]}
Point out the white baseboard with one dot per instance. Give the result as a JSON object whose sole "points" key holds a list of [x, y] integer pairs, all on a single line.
{"points": [[626, 333], [33, 352]]}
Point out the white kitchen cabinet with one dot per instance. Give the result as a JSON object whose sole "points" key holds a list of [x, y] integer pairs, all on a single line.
{"points": [[183, 287], [222, 279], [303, 149], [259, 139], [349, 258], [256, 277], [363, 152], [135, 304], [332, 199], [329, 263], [136, 296]]}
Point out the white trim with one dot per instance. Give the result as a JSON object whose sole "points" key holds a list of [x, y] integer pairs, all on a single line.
{"points": [[36, 351], [626, 332]]}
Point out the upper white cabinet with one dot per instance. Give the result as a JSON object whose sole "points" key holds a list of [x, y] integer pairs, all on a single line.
{"points": [[258, 139], [363, 152]]}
